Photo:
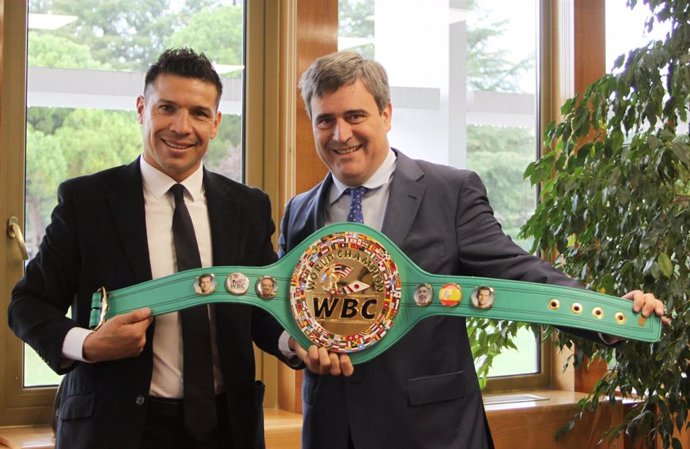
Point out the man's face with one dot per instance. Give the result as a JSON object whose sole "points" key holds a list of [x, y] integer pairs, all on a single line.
{"points": [[266, 286], [178, 117], [350, 133], [483, 296], [205, 284], [423, 294]]}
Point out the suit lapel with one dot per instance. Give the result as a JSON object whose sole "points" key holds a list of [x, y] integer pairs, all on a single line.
{"points": [[317, 205], [222, 216], [127, 208], [406, 193], [308, 216]]}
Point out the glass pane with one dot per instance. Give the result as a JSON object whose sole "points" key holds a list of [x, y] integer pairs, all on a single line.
{"points": [[463, 94], [86, 66], [625, 29], [523, 360]]}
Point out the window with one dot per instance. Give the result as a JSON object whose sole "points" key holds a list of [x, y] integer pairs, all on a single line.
{"points": [[625, 29], [85, 63], [463, 95]]}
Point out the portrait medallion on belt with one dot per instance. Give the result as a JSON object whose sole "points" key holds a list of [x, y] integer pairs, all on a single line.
{"points": [[345, 292], [205, 284]]}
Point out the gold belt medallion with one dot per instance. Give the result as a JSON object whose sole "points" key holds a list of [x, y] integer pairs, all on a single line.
{"points": [[345, 292]]}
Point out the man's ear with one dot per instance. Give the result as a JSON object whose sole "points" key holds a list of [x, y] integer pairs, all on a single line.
{"points": [[387, 114], [216, 124], [140, 109]]}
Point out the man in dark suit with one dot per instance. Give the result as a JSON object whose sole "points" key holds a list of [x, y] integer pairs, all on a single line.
{"points": [[423, 392], [124, 382]]}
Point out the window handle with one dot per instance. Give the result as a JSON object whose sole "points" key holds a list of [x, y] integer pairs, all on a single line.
{"points": [[15, 232]]}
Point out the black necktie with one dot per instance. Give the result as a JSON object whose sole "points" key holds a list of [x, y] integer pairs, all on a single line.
{"points": [[197, 372]]}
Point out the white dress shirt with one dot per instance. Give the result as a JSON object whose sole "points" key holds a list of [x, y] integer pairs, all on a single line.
{"points": [[159, 206], [374, 201]]}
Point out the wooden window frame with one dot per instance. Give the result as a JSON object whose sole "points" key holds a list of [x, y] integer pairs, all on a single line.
{"points": [[283, 37]]}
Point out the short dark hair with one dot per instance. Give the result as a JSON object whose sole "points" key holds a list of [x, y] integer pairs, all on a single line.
{"points": [[331, 72], [186, 63]]}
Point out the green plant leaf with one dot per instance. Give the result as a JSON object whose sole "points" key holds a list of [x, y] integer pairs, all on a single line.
{"points": [[682, 152], [665, 264]]}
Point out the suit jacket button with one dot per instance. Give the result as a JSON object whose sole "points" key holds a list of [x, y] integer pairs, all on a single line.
{"points": [[140, 400]]}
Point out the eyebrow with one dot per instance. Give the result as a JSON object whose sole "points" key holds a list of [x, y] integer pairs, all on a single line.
{"points": [[348, 112], [197, 107]]}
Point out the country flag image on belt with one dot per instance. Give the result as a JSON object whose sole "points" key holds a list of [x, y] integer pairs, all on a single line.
{"points": [[348, 288]]}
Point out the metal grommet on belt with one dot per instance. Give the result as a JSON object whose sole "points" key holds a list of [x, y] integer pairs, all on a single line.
{"points": [[620, 318]]}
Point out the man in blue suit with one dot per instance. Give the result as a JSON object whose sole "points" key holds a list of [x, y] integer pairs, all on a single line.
{"points": [[423, 392], [124, 384]]}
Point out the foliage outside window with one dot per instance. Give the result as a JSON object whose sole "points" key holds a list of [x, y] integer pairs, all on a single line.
{"points": [[99, 39], [123, 36]]}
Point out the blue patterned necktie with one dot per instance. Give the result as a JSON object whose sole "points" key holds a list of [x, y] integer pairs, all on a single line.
{"points": [[357, 193]]}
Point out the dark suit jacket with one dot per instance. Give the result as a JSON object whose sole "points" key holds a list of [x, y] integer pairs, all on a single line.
{"points": [[423, 392], [97, 237]]}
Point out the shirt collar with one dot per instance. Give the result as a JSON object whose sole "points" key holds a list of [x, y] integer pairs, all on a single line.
{"points": [[380, 177], [158, 183]]}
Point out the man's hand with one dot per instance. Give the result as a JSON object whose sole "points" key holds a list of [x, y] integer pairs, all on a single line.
{"points": [[647, 304], [320, 361], [120, 337]]}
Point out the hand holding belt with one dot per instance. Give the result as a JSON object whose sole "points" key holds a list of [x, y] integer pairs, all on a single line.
{"points": [[348, 288]]}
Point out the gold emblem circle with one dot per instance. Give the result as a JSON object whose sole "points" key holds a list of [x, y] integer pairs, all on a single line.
{"points": [[345, 292]]}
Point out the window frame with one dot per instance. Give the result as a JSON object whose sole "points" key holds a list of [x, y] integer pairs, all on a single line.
{"points": [[276, 51], [34, 405]]}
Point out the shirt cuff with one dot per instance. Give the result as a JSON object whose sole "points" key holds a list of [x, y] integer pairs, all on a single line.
{"points": [[73, 345], [283, 346], [290, 356]]}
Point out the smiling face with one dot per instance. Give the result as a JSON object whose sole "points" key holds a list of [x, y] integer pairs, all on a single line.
{"points": [[483, 296], [205, 284], [179, 117], [266, 286], [350, 133]]}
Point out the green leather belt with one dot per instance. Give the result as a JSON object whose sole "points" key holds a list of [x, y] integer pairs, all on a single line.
{"points": [[350, 289]]}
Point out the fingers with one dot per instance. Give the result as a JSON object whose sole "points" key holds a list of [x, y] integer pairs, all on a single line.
{"points": [[134, 316], [322, 362], [121, 337], [647, 304], [346, 365]]}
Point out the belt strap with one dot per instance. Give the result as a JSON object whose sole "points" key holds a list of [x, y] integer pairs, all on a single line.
{"points": [[348, 288]]}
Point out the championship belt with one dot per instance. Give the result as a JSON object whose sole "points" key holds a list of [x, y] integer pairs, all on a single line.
{"points": [[348, 288]]}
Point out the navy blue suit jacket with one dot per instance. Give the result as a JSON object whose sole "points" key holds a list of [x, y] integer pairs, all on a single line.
{"points": [[423, 392]]}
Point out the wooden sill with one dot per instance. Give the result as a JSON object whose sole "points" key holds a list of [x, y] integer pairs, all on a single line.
{"points": [[533, 422], [283, 431], [27, 437]]}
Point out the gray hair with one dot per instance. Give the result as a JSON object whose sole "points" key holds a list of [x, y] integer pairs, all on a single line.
{"points": [[331, 72]]}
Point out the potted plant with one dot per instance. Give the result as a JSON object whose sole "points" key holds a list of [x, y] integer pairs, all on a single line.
{"points": [[615, 207]]}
